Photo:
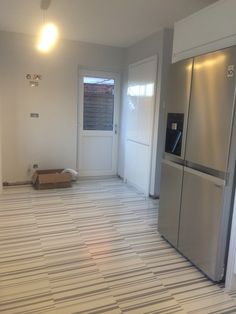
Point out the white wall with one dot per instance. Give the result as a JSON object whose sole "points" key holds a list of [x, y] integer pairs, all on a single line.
{"points": [[208, 30], [159, 44], [50, 140]]}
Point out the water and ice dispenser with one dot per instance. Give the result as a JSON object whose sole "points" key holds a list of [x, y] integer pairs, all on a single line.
{"points": [[174, 133]]}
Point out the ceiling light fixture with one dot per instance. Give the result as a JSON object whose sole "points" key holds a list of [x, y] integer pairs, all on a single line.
{"points": [[49, 33]]}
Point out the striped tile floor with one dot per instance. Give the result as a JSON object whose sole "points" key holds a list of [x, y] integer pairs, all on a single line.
{"points": [[94, 248]]}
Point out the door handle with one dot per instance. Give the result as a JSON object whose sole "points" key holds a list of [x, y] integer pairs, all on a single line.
{"points": [[218, 186]]}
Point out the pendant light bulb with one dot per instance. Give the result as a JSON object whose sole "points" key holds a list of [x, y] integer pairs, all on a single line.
{"points": [[47, 37]]}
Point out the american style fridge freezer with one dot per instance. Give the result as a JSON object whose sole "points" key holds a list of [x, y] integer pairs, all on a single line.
{"points": [[208, 163]]}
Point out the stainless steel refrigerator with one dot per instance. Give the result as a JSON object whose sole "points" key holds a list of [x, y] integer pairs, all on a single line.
{"points": [[198, 167]]}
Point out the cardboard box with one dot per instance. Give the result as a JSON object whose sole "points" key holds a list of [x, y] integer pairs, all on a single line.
{"points": [[51, 179]]}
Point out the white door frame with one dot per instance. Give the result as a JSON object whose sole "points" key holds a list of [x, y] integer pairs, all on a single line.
{"points": [[115, 132]]}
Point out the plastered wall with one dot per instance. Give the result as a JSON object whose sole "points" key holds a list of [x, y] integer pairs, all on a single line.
{"points": [[50, 140]]}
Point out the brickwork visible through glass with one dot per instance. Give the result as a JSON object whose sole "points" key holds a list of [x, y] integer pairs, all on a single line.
{"points": [[98, 104]]}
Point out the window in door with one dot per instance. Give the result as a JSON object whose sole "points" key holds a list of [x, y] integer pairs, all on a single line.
{"points": [[98, 104]]}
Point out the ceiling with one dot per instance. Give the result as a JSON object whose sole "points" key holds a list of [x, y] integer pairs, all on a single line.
{"points": [[118, 23]]}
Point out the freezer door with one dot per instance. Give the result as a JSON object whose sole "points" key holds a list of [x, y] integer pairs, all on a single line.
{"points": [[200, 222], [178, 93], [211, 109], [170, 195]]}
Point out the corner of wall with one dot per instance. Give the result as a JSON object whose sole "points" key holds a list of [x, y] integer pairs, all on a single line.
{"points": [[122, 123], [164, 63]]}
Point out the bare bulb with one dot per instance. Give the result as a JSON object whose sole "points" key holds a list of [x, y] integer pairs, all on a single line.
{"points": [[48, 37]]}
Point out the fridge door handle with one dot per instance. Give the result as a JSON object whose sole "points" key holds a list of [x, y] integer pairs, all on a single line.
{"points": [[217, 181], [218, 185], [172, 164]]}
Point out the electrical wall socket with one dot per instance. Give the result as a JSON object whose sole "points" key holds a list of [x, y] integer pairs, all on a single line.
{"points": [[35, 166]]}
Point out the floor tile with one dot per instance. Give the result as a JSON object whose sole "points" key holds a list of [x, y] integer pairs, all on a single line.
{"points": [[95, 248]]}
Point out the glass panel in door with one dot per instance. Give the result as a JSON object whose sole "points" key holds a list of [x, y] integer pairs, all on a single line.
{"points": [[98, 104]]}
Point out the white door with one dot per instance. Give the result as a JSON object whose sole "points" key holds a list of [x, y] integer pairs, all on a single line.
{"points": [[98, 123], [140, 120]]}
